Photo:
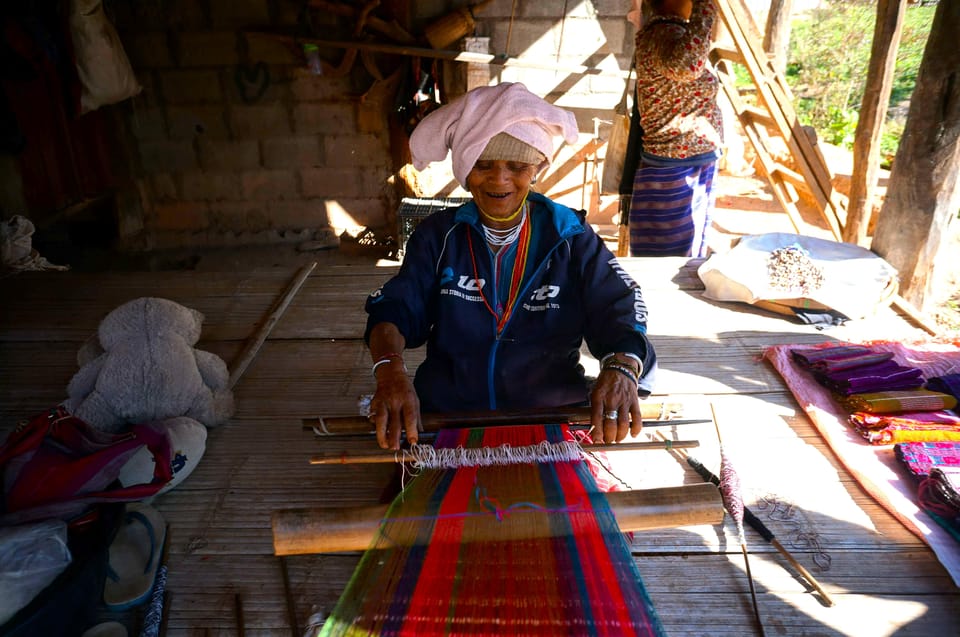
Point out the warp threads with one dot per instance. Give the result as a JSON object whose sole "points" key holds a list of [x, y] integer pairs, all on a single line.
{"points": [[427, 457]]}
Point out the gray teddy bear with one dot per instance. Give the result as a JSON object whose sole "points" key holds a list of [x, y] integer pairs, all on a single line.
{"points": [[142, 367]]}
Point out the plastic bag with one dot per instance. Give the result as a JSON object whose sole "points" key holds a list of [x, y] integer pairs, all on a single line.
{"points": [[31, 557], [851, 280], [106, 76]]}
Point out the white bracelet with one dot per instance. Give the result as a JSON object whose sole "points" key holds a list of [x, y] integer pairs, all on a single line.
{"points": [[384, 361]]}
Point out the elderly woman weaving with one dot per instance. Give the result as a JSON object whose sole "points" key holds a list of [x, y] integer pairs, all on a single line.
{"points": [[504, 289]]}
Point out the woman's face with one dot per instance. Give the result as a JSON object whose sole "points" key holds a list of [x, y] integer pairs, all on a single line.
{"points": [[498, 187]]}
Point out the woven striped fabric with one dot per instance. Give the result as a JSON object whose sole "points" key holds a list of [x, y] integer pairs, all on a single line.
{"points": [[883, 429], [524, 549], [670, 210]]}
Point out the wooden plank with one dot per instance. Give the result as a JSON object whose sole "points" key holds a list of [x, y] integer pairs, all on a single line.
{"points": [[884, 578]]}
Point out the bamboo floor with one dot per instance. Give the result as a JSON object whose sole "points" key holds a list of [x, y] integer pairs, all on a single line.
{"points": [[224, 579]]}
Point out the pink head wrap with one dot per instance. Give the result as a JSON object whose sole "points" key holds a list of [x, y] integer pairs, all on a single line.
{"points": [[465, 125]]}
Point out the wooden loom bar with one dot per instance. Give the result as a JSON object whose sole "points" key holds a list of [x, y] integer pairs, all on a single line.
{"points": [[305, 531], [389, 457], [334, 425], [454, 56]]}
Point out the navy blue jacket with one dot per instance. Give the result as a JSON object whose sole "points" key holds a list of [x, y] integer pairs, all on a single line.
{"points": [[577, 291]]}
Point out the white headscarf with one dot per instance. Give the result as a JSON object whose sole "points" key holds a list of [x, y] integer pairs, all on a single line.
{"points": [[465, 125]]}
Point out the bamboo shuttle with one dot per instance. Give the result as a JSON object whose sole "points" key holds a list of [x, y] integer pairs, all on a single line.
{"points": [[305, 531], [404, 456]]}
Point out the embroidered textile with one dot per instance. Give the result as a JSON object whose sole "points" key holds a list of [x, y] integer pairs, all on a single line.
{"points": [[920, 457]]}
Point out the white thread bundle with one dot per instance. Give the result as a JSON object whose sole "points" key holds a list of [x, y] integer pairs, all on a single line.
{"points": [[426, 457]]}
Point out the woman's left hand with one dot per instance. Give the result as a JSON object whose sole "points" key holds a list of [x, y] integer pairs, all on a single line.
{"points": [[615, 408]]}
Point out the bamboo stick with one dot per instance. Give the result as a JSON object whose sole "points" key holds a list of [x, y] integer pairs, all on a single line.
{"points": [[254, 345], [334, 425], [405, 456], [303, 531]]}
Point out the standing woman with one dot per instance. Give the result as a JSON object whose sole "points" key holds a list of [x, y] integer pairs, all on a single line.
{"points": [[682, 130], [505, 289]]}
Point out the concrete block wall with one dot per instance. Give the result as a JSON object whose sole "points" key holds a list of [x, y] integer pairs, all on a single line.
{"points": [[220, 158], [233, 140]]}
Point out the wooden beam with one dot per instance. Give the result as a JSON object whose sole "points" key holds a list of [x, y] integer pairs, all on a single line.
{"points": [[455, 56], [304, 531]]}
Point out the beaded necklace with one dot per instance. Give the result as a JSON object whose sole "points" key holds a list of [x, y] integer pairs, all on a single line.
{"points": [[519, 265], [500, 238]]}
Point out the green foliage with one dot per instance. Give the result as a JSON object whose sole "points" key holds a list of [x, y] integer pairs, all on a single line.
{"points": [[828, 61]]}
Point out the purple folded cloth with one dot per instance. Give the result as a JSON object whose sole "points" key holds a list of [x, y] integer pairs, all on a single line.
{"points": [[947, 384], [839, 358], [884, 376]]}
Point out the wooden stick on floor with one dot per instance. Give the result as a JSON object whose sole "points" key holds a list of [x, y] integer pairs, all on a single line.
{"points": [[253, 346], [757, 525]]}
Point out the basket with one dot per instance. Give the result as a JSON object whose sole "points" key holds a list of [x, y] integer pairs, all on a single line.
{"points": [[414, 210]]}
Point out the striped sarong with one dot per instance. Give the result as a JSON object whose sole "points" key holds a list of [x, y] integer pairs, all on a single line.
{"points": [[670, 210]]}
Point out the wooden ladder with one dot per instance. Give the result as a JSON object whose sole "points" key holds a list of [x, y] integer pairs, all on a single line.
{"points": [[772, 122]]}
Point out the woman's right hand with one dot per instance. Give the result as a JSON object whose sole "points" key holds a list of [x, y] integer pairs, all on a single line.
{"points": [[395, 406]]}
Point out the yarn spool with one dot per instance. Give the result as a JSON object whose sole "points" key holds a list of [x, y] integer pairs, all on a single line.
{"points": [[453, 26]]}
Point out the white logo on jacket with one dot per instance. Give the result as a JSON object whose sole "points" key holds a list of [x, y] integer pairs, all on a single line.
{"points": [[545, 292], [471, 285]]}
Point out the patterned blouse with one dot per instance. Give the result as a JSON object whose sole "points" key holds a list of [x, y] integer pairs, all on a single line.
{"points": [[676, 87]]}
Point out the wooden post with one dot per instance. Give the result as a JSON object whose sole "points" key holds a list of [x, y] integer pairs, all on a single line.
{"points": [[873, 112], [923, 196], [776, 40]]}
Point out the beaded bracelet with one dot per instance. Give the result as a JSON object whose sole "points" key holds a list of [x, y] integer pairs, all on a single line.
{"points": [[386, 358], [633, 357], [622, 369]]}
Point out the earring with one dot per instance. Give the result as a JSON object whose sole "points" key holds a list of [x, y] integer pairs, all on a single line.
{"points": [[533, 181]]}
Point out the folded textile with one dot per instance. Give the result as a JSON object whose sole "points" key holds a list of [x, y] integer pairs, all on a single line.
{"points": [[891, 402], [838, 358], [879, 429], [938, 494], [920, 457], [884, 376], [948, 384]]}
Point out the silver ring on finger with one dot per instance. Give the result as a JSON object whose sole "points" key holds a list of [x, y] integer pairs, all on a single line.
{"points": [[611, 415]]}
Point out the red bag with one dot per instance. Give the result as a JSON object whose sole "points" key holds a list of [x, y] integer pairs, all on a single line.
{"points": [[55, 466]]}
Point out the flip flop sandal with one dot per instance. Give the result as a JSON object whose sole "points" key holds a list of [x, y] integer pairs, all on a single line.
{"points": [[106, 629], [134, 558]]}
